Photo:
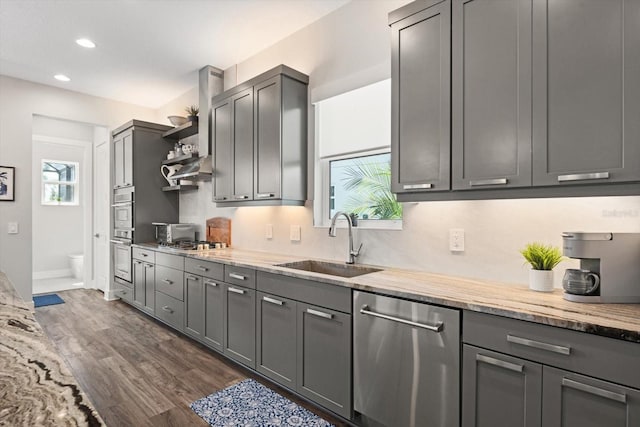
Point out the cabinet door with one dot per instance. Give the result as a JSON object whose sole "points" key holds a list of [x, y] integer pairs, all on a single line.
{"points": [[499, 390], [276, 338], [491, 93], [324, 357], [221, 149], [214, 298], [420, 101], [118, 161], [127, 160], [194, 306], [572, 400], [139, 281], [149, 288], [242, 145], [240, 325], [268, 113], [586, 85]]}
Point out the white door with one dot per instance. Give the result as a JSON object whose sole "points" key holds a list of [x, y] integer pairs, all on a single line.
{"points": [[101, 215]]}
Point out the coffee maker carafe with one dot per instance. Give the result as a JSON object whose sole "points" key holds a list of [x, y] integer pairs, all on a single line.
{"points": [[612, 257]]}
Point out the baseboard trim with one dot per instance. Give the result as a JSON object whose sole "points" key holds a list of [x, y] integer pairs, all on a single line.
{"points": [[110, 295], [52, 274]]}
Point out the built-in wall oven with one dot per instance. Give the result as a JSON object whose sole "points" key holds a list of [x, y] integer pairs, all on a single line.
{"points": [[123, 209]]}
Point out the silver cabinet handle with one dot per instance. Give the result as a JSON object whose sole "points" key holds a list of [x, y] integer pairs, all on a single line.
{"points": [[618, 397], [500, 363], [237, 291], [264, 195], [240, 197], [320, 313], [237, 276], [539, 345], [214, 284], [143, 254], [192, 278], [583, 176], [219, 199], [272, 301], [121, 204], [117, 242], [496, 181], [148, 265], [203, 268], [97, 235], [416, 186], [167, 281], [167, 308], [135, 261], [435, 328], [122, 291]]}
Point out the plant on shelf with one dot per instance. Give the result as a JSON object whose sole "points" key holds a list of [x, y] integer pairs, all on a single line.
{"points": [[542, 259], [192, 112]]}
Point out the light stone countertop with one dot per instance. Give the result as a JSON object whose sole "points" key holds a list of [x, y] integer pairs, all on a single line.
{"points": [[620, 321]]}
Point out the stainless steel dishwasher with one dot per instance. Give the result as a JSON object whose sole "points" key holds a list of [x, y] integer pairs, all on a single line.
{"points": [[406, 362]]}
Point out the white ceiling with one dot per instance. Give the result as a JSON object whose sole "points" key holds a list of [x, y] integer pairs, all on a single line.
{"points": [[148, 51]]}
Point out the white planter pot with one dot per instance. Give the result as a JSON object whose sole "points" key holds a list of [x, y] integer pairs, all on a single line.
{"points": [[541, 280]]}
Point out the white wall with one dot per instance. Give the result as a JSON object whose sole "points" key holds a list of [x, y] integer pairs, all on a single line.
{"points": [[19, 101], [350, 48]]}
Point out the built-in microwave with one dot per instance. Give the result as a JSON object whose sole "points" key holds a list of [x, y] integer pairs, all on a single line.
{"points": [[123, 209]]}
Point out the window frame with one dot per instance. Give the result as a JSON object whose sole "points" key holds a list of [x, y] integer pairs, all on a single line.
{"points": [[75, 183]]}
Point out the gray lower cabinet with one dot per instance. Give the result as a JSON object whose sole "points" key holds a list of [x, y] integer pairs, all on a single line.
{"points": [[144, 285], [194, 305], [240, 324], [499, 390], [276, 337], [123, 290], [324, 357], [572, 400], [170, 310], [214, 298]]}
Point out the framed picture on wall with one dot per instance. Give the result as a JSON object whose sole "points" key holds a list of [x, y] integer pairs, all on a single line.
{"points": [[7, 183]]}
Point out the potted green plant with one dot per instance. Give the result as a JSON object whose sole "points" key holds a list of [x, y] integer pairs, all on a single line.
{"points": [[192, 112], [542, 258]]}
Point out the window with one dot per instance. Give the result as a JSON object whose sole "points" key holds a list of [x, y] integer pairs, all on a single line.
{"points": [[353, 160], [60, 182]]}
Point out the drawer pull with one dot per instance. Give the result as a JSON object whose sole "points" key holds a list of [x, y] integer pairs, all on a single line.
{"points": [[143, 254], [192, 278], [500, 363], [148, 265], [167, 281], [496, 181], [264, 195], [539, 345], [167, 308], [237, 276], [219, 199], [583, 176], [214, 284], [237, 291], [203, 268], [319, 313], [135, 261], [416, 186], [618, 397], [435, 328], [272, 301], [240, 197], [122, 291]]}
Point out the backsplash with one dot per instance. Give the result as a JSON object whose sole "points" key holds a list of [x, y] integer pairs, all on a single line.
{"points": [[494, 232]]}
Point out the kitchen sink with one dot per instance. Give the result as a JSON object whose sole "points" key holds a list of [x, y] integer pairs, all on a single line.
{"points": [[341, 270]]}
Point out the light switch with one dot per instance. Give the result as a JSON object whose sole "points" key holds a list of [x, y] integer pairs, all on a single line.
{"points": [[268, 231], [12, 228], [456, 240], [294, 234]]}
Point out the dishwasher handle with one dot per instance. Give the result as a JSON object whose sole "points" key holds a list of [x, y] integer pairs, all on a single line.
{"points": [[435, 328]]}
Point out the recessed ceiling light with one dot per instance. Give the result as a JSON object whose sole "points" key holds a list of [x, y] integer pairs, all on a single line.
{"points": [[62, 78], [86, 43]]}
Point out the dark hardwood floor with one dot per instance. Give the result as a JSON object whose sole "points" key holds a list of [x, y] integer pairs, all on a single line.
{"points": [[135, 370]]}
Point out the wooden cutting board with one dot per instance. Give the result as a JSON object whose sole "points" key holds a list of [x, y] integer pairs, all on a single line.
{"points": [[219, 230]]}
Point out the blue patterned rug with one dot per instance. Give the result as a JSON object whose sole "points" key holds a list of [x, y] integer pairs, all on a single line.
{"points": [[51, 299], [250, 404]]}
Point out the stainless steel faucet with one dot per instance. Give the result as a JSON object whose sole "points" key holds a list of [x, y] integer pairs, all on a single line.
{"points": [[332, 233]]}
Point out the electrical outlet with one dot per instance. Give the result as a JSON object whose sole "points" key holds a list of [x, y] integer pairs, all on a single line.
{"points": [[12, 228], [456, 240], [268, 231], [294, 233]]}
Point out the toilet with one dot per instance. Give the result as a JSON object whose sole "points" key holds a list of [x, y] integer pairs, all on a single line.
{"points": [[77, 265]]}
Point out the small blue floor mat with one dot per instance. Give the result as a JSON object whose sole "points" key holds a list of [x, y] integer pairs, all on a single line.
{"points": [[50, 299]]}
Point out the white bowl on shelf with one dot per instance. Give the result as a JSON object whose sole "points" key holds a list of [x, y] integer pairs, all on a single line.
{"points": [[177, 120]]}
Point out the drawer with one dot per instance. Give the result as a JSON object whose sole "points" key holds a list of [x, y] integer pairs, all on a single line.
{"points": [[124, 292], [144, 254], [309, 291], [212, 270], [168, 260], [170, 310], [170, 281], [240, 276], [601, 357]]}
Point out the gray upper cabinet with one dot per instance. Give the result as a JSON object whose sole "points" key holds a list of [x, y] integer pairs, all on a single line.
{"points": [[420, 118], [586, 86], [260, 140], [491, 94], [123, 160]]}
